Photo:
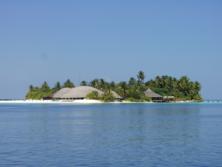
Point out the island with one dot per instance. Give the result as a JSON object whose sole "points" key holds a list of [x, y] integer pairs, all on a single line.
{"points": [[136, 89]]}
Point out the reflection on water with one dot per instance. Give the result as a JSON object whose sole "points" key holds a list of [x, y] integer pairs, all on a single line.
{"points": [[111, 135]]}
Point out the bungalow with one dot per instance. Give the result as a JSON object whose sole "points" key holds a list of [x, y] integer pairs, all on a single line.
{"points": [[80, 92], [154, 96]]}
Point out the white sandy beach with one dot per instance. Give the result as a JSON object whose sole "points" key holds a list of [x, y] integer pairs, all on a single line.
{"points": [[85, 101]]}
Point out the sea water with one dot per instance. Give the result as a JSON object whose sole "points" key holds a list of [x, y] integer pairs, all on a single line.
{"points": [[118, 135]]}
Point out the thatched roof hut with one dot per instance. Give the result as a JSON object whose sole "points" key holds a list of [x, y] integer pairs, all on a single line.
{"points": [[150, 93], [59, 94], [154, 96], [75, 93], [80, 92]]}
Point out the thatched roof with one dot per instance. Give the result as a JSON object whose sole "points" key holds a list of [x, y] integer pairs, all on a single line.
{"points": [[115, 95], [152, 94], [61, 92], [79, 92]]}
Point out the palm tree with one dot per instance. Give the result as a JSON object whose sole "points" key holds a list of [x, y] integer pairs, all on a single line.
{"points": [[31, 87], [57, 86], [123, 86], [141, 76], [45, 87], [112, 85], [197, 86], [102, 84], [95, 83], [132, 81], [83, 83], [68, 84]]}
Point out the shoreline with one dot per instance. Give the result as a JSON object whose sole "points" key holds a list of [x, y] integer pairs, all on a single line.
{"points": [[87, 101]]}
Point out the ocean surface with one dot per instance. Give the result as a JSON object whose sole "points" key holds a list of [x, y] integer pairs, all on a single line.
{"points": [[117, 135]]}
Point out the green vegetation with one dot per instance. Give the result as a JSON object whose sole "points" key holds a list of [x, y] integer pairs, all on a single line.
{"points": [[106, 96], [45, 91], [182, 89], [132, 90], [68, 84], [83, 83], [93, 95], [39, 93]]}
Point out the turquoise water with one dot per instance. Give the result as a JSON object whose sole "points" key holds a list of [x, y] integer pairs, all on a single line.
{"points": [[118, 135]]}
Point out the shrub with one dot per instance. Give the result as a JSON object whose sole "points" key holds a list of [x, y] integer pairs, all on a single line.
{"points": [[107, 97], [93, 95]]}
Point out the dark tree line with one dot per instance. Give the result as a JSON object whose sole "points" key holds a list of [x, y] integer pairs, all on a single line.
{"points": [[182, 88], [45, 91], [133, 89]]}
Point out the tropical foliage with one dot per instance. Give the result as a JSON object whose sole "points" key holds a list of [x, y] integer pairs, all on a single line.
{"points": [[133, 89], [182, 88], [93, 95], [68, 84], [106, 96], [45, 91], [39, 92]]}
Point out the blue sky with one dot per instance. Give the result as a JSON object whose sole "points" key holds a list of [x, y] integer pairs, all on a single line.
{"points": [[84, 39]]}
